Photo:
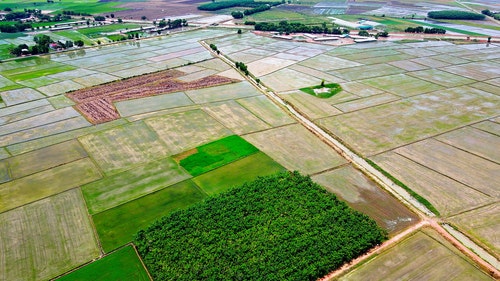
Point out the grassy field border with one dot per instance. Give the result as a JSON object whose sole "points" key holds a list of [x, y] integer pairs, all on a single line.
{"points": [[415, 195]]}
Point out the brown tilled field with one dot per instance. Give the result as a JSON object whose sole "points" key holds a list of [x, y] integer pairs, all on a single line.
{"points": [[96, 103], [155, 9]]}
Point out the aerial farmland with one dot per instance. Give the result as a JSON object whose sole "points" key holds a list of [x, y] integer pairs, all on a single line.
{"points": [[202, 143]]}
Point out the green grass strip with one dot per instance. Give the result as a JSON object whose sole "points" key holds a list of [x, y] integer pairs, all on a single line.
{"points": [[334, 89], [123, 264], [427, 24], [217, 154], [415, 195]]}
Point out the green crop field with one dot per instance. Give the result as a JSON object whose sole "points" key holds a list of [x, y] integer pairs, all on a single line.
{"points": [[46, 238], [89, 6], [123, 264], [75, 35], [131, 184], [93, 32], [216, 154], [118, 225], [237, 173], [28, 189]]}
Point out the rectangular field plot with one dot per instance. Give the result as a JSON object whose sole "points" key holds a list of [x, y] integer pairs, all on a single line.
{"points": [[55, 138], [366, 71], [224, 92], [123, 264], [60, 88], [311, 106], [39, 120], [23, 95], [120, 148], [47, 68], [150, 104], [44, 131], [40, 185], [268, 65], [483, 224], [377, 129], [416, 258], [364, 195], [237, 173], [186, 130], [408, 65], [430, 62], [360, 89], [371, 53], [129, 185], [60, 101], [329, 63], [38, 82], [267, 111], [43, 159], [288, 79], [366, 102], [488, 126], [95, 79], [47, 238], [441, 78], [476, 70], [447, 195], [474, 141], [464, 167], [296, 149], [235, 117], [402, 85], [118, 226], [316, 73]]}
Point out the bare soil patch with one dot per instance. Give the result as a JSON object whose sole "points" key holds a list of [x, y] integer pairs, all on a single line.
{"points": [[96, 103]]}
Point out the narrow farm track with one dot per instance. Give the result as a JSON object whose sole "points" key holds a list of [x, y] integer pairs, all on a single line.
{"points": [[427, 217]]}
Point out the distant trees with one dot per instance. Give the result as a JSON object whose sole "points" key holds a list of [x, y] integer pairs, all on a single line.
{"points": [[363, 33], [79, 43], [100, 18], [294, 27], [455, 15], [214, 6], [17, 27], [41, 46], [421, 29], [237, 14], [241, 66]]}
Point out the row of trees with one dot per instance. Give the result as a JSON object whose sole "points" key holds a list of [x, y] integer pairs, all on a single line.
{"points": [[455, 15], [240, 15], [42, 46], [17, 27], [171, 24], [294, 27], [421, 29], [491, 14], [279, 227], [214, 6]]}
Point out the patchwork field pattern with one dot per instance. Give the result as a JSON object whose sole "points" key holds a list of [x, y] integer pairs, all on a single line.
{"points": [[395, 108], [427, 112], [425, 249]]}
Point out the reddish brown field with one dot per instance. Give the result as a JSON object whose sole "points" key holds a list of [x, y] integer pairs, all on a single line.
{"points": [[155, 9], [96, 103]]}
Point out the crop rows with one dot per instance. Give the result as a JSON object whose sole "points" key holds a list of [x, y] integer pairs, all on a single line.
{"points": [[96, 103]]}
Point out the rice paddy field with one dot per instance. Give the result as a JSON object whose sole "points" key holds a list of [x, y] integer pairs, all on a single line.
{"points": [[104, 181]]}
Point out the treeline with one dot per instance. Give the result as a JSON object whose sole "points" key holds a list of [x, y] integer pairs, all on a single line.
{"points": [[239, 14], [280, 227], [491, 14], [214, 6], [17, 27], [294, 27], [73, 13], [455, 15], [421, 29]]}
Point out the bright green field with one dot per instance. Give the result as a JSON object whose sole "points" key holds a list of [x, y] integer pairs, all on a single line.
{"points": [[83, 6], [34, 72], [120, 265], [117, 226], [217, 154], [237, 173], [75, 35], [96, 31]]}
